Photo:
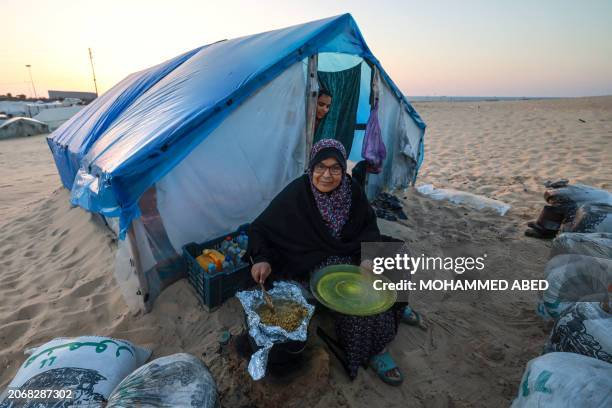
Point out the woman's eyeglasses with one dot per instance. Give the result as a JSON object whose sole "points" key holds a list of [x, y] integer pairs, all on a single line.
{"points": [[334, 170]]}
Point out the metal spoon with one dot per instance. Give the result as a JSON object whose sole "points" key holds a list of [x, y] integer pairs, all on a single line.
{"points": [[266, 296]]}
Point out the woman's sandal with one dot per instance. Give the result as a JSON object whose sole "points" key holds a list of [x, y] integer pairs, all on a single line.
{"points": [[382, 364], [411, 317]]}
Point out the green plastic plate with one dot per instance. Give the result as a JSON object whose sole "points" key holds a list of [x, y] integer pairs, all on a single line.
{"points": [[347, 289]]}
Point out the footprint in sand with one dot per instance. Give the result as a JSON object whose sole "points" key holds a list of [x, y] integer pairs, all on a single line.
{"points": [[13, 331], [28, 312], [8, 251], [88, 288]]}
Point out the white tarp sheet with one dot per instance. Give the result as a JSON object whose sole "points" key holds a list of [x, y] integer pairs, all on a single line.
{"points": [[259, 149]]}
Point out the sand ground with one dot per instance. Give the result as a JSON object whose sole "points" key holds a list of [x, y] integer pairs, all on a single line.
{"points": [[56, 262]]}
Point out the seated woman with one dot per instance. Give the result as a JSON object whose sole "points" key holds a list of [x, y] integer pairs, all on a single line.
{"points": [[321, 218]]}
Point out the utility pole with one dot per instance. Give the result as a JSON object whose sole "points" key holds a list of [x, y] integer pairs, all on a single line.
{"points": [[93, 72], [29, 67]]}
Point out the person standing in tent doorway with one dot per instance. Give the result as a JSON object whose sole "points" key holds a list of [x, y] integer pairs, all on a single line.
{"points": [[324, 101], [320, 219]]}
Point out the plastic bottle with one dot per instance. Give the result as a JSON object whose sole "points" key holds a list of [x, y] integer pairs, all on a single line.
{"points": [[237, 258], [231, 260], [226, 243], [230, 253], [242, 240]]}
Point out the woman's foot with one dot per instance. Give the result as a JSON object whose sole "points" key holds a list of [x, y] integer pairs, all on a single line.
{"points": [[411, 317], [386, 368]]}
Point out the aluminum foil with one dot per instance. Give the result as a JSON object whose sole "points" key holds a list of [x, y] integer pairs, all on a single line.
{"points": [[266, 336]]}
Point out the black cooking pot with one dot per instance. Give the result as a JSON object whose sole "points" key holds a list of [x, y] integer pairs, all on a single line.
{"points": [[280, 353]]}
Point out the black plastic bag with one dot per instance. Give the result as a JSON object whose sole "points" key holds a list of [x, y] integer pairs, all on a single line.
{"points": [[590, 218]]}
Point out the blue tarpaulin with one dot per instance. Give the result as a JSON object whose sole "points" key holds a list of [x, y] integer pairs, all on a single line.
{"points": [[129, 138]]}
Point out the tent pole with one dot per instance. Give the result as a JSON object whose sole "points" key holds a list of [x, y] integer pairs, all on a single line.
{"points": [[374, 95], [312, 88], [144, 289]]}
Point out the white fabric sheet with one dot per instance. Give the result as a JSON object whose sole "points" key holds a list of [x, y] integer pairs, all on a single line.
{"points": [[234, 173]]}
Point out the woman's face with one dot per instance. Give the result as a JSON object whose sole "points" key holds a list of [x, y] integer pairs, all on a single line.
{"points": [[327, 175], [323, 104]]}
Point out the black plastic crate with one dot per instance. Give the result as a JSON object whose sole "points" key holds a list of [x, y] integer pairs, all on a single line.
{"points": [[214, 289]]}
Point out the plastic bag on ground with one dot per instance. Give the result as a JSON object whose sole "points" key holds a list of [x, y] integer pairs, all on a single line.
{"points": [[598, 244], [462, 197], [568, 198], [590, 218], [89, 366], [179, 380], [559, 380], [585, 328], [266, 336], [574, 278]]}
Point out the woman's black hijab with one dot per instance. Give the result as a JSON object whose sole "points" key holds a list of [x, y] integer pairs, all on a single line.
{"points": [[293, 235]]}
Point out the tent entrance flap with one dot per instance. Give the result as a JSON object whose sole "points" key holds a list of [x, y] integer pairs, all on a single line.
{"points": [[339, 123]]}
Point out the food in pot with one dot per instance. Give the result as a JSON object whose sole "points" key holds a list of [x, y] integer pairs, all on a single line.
{"points": [[286, 313]]}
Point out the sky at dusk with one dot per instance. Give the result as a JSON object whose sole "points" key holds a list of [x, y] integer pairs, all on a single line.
{"points": [[434, 48]]}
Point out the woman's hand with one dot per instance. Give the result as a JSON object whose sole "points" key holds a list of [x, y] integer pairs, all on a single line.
{"points": [[260, 271]]}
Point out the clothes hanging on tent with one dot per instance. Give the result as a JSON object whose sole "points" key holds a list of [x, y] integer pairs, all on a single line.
{"points": [[373, 149], [339, 122]]}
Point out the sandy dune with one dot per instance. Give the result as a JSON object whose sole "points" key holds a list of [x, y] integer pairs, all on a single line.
{"points": [[56, 262]]}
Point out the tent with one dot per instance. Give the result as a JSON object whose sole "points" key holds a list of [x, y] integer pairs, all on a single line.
{"points": [[19, 126], [13, 108], [55, 117], [192, 148]]}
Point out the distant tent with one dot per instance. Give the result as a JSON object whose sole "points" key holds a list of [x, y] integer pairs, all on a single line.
{"points": [[33, 109], [54, 118], [13, 108], [19, 127], [194, 147], [83, 96]]}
